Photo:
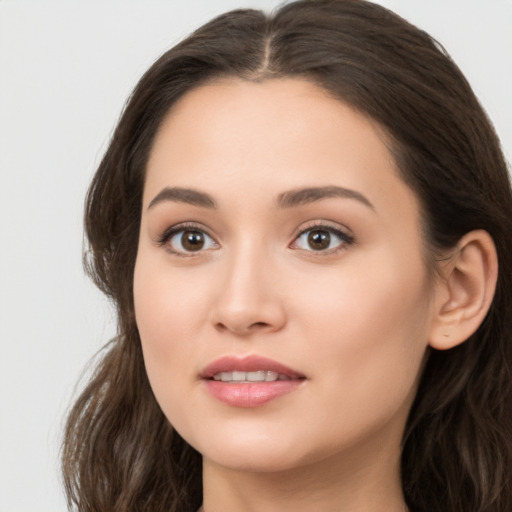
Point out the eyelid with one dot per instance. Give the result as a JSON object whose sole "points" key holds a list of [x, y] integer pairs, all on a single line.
{"points": [[164, 238], [342, 232]]}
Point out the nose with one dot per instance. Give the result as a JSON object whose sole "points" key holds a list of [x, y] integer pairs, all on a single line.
{"points": [[249, 299]]}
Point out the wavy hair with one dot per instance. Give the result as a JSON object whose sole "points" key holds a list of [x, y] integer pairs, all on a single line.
{"points": [[119, 452]]}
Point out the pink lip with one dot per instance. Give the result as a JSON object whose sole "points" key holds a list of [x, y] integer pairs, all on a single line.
{"points": [[251, 394], [247, 364]]}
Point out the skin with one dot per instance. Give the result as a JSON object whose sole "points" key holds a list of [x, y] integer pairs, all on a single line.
{"points": [[355, 319]]}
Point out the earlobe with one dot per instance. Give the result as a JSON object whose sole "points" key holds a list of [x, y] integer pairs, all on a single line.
{"points": [[465, 292]]}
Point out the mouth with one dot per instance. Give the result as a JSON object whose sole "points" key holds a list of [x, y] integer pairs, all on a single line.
{"points": [[257, 376], [251, 381], [250, 368]]}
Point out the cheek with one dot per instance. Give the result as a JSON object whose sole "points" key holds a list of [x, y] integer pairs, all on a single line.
{"points": [[167, 301], [164, 313], [371, 330], [172, 305]]}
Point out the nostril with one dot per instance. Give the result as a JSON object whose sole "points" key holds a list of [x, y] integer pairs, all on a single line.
{"points": [[242, 329], [221, 327], [244, 318], [258, 325]]}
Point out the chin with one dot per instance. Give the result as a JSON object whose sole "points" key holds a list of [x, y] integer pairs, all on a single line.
{"points": [[248, 450], [254, 460], [262, 452]]}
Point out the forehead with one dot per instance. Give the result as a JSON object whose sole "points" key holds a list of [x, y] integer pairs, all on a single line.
{"points": [[271, 136]]}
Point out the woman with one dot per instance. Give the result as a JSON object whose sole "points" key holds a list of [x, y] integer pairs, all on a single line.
{"points": [[304, 221]]}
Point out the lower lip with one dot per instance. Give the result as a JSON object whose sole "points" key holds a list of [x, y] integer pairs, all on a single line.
{"points": [[250, 394]]}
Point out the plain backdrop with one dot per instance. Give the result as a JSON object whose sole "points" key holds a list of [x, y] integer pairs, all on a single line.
{"points": [[66, 69]]}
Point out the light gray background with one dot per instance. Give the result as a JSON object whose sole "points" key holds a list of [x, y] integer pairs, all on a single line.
{"points": [[66, 69]]}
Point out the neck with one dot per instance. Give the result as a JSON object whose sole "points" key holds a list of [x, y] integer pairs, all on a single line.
{"points": [[330, 485]]}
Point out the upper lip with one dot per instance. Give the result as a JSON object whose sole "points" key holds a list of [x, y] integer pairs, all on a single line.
{"points": [[250, 363]]}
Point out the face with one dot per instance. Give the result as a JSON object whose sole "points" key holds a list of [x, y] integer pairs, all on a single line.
{"points": [[280, 287]]}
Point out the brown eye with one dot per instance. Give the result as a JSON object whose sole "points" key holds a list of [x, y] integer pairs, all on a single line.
{"points": [[319, 240], [187, 241], [192, 240], [324, 240]]}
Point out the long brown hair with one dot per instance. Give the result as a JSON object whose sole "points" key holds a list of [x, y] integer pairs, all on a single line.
{"points": [[120, 453]]}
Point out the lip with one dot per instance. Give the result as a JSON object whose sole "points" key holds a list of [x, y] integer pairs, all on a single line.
{"points": [[248, 364], [253, 394]]}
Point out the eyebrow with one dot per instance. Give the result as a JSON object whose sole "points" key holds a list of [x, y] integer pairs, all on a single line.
{"points": [[310, 195], [287, 199], [183, 195]]}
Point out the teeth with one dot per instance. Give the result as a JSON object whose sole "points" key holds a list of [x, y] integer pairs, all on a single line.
{"points": [[238, 376], [258, 376]]}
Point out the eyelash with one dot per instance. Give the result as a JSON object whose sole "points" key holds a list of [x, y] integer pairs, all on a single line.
{"points": [[344, 238], [168, 234]]}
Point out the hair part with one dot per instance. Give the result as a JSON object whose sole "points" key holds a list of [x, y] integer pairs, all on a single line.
{"points": [[120, 453]]}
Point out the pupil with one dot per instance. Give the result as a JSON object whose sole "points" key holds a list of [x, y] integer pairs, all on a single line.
{"points": [[192, 240], [319, 240]]}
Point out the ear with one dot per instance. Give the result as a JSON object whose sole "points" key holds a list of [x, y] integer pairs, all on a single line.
{"points": [[465, 290]]}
